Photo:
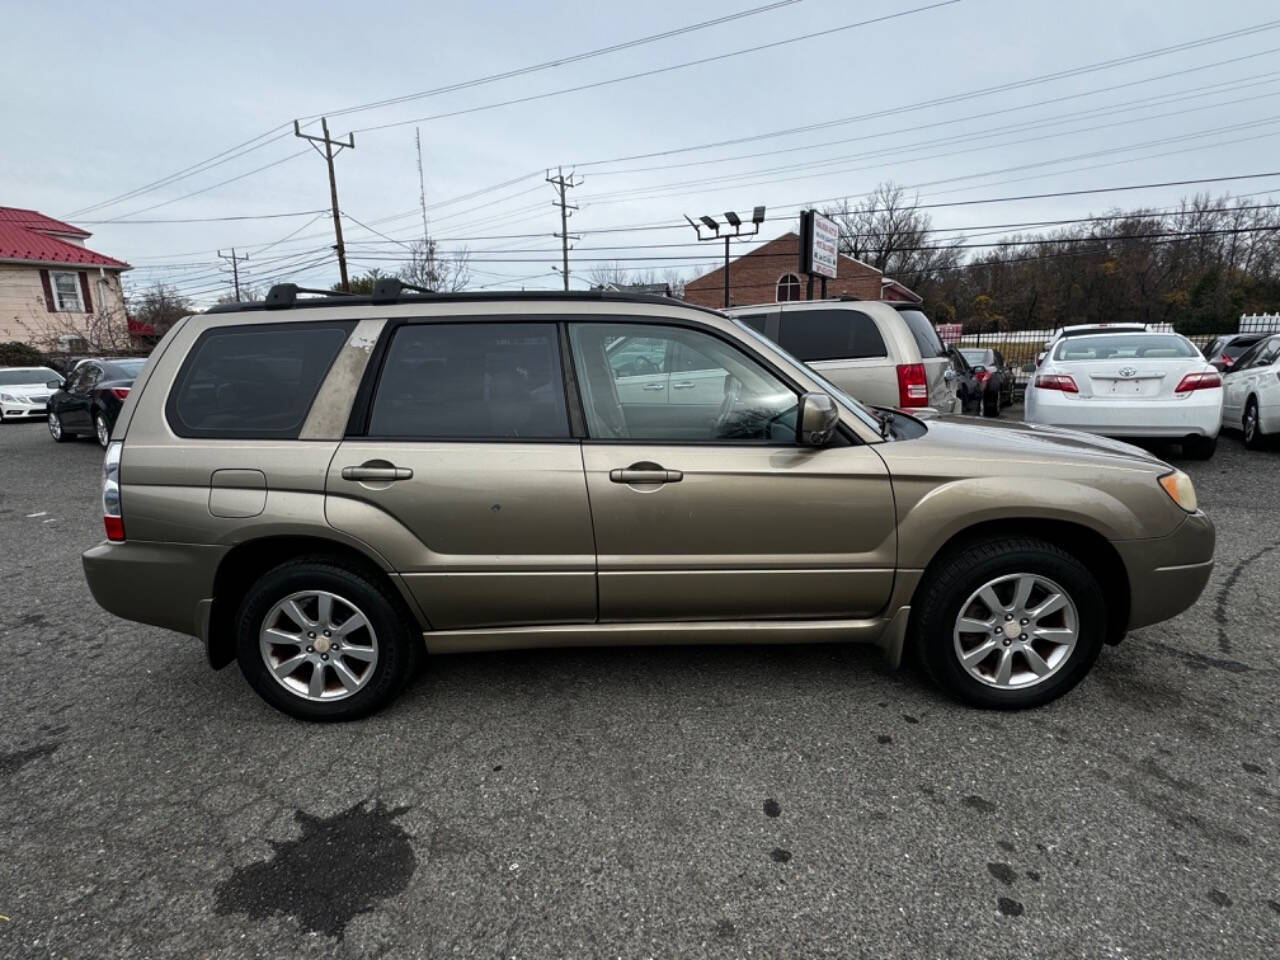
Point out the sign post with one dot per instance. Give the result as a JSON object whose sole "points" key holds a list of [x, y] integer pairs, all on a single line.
{"points": [[819, 248]]}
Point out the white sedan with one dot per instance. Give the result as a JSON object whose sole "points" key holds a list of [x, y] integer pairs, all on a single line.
{"points": [[1140, 385], [24, 391], [1251, 393]]}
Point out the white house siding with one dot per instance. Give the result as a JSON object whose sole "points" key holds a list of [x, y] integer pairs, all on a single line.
{"points": [[24, 316]]}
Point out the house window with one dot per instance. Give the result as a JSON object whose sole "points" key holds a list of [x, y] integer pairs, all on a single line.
{"points": [[66, 292], [788, 288]]}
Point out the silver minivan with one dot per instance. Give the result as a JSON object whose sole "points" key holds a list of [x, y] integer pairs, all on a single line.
{"points": [[884, 353]]}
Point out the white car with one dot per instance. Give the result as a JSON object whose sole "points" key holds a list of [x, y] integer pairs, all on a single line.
{"points": [[1251, 393], [1131, 384], [24, 391], [1083, 329]]}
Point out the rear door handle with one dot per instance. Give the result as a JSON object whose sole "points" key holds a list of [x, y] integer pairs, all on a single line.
{"points": [[376, 473], [645, 475], [682, 385]]}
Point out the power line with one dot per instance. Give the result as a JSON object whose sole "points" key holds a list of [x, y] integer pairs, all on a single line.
{"points": [[661, 70], [246, 216]]}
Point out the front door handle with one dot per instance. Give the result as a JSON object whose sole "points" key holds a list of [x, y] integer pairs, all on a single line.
{"points": [[644, 473], [654, 386], [370, 472], [682, 385]]}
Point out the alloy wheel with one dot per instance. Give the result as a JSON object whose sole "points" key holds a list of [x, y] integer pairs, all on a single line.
{"points": [[1250, 423], [318, 645], [104, 432], [55, 426], [1016, 631]]}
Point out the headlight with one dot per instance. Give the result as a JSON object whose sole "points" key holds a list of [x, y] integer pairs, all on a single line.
{"points": [[1180, 488], [9, 398]]}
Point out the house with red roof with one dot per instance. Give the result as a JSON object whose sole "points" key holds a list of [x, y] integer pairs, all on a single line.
{"points": [[55, 293]]}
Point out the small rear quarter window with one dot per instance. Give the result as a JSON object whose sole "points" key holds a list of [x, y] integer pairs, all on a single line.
{"points": [[253, 382]]}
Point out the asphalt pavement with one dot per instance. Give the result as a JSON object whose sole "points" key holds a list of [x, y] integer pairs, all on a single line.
{"points": [[718, 802]]}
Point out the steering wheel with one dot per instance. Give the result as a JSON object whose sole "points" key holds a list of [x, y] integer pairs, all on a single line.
{"points": [[729, 405], [644, 366]]}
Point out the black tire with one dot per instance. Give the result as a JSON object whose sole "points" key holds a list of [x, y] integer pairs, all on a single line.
{"points": [[953, 578], [1254, 438], [1199, 448], [399, 637], [101, 428], [991, 404], [56, 429]]}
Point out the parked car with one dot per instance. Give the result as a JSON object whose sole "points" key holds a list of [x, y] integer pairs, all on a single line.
{"points": [[24, 391], [885, 354], [1143, 385], [996, 376], [1251, 393], [964, 381], [328, 489], [87, 403], [1225, 350], [1087, 330]]}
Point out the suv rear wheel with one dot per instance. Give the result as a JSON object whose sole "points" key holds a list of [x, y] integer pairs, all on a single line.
{"points": [[1009, 623], [322, 640]]}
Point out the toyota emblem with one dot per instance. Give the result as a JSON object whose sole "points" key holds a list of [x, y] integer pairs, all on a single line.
{"points": [[1128, 372]]}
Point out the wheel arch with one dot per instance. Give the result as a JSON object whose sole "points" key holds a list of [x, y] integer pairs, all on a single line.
{"points": [[244, 563], [1085, 544]]}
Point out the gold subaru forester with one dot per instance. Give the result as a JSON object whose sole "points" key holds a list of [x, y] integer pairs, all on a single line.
{"points": [[327, 488]]}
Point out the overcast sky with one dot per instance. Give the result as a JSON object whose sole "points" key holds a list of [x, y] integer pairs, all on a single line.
{"points": [[100, 100]]}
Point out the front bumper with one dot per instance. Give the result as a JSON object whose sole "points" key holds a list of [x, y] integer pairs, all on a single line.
{"points": [[162, 584], [1168, 574], [23, 408], [1199, 414]]}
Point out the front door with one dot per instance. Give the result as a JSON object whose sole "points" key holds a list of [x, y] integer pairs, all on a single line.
{"points": [[75, 406], [708, 509], [475, 483]]}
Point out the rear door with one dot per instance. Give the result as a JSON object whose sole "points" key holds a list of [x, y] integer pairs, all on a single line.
{"points": [[465, 453], [1235, 385]]}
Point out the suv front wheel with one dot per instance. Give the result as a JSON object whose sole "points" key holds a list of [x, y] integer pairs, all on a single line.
{"points": [[322, 640], [1009, 623]]}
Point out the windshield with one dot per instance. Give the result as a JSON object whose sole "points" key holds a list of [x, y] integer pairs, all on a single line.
{"points": [[27, 376], [852, 405], [1112, 346]]}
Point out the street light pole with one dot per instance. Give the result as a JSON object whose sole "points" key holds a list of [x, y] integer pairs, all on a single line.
{"points": [[731, 220]]}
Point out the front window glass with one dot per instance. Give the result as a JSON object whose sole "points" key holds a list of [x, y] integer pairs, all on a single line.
{"points": [[1114, 346], [36, 375], [705, 391]]}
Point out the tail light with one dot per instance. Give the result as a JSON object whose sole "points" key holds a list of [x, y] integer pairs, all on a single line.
{"points": [[1056, 381], [982, 376], [111, 516], [913, 388], [119, 392], [1198, 381], [1226, 361]]}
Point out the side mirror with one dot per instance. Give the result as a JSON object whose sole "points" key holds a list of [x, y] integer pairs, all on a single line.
{"points": [[949, 374], [817, 421], [56, 384]]}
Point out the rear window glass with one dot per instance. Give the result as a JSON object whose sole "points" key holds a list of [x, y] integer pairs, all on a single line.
{"points": [[974, 356], [922, 332], [1154, 346], [830, 335], [754, 320], [253, 382], [123, 369], [1237, 347], [472, 380]]}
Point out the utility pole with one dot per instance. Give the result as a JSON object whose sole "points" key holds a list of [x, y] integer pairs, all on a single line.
{"points": [[422, 190], [329, 153], [562, 184], [235, 267]]}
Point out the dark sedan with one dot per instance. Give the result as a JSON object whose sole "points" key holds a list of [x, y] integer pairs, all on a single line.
{"points": [[88, 401], [1225, 350], [995, 376]]}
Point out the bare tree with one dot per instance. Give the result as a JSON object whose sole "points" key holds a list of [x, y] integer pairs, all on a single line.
{"points": [[159, 307], [435, 270]]}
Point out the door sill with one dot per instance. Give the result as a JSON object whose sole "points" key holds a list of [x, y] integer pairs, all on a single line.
{"points": [[661, 633]]}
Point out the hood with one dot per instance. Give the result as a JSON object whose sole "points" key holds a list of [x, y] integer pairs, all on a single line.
{"points": [[27, 389], [1014, 438]]}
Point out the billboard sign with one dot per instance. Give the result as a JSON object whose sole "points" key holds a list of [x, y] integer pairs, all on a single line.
{"points": [[819, 244]]}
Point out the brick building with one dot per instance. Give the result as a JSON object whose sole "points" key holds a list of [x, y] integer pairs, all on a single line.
{"points": [[771, 273]]}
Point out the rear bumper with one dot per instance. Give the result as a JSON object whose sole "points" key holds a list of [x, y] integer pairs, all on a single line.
{"points": [[1168, 574], [1199, 414], [161, 584]]}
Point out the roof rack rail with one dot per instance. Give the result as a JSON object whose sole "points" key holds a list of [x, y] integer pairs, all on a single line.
{"points": [[388, 289], [285, 295]]}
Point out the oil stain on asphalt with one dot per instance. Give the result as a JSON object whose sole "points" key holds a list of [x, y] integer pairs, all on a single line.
{"points": [[340, 867]]}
